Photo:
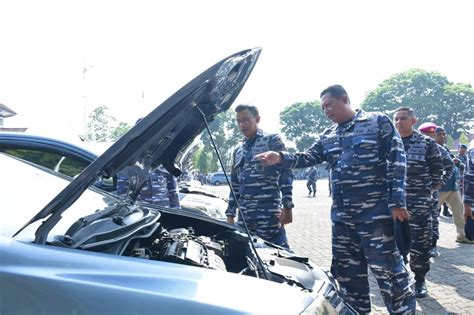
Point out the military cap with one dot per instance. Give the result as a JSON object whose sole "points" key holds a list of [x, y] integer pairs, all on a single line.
{"points": [[440, 129], [427, 127]]}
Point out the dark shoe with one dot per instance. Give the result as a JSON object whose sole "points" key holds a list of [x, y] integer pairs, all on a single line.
{"points": [[420, 289], [447, 214], [434, 252]]}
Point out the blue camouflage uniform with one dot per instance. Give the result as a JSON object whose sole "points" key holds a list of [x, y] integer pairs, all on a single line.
{"points": [[448, 172], [469, 179], [161, 188], [462, 168], [424, 171], [367, 170], [313, 176], [260, 191]]}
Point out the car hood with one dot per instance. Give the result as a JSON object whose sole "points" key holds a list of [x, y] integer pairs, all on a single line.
{"points": [[140, 286], [161, 135]]}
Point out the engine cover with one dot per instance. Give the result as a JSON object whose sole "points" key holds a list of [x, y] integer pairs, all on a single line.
{"points": [[186, 249]]}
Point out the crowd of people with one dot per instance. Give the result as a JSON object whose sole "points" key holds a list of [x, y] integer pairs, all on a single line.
{"points": [[388, 181]]}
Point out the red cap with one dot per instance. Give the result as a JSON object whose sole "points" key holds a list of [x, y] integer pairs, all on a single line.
{"points": [[427, 127]]}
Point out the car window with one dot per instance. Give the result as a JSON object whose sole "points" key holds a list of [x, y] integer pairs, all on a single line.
{"points": [[53, 161], [71, 167]]}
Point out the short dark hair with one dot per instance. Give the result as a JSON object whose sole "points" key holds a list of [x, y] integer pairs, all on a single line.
{"points": [[335, 90], [411, 111], [251, 108]]}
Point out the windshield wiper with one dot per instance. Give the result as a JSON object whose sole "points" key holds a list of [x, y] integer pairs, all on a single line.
{"points": [[241, 217]]}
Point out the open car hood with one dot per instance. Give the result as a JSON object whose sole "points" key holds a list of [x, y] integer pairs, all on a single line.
{"points": [[159, 137]]}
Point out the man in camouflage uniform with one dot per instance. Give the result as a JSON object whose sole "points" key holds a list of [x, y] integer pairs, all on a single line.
{"points": [[313, 176], [261, 191], [469, 184], [424, 171], [429, 129], [367, 170], [161, 188], [462, 156]]}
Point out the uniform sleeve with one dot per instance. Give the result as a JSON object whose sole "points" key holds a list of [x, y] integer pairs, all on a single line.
{"points": [[448, 166], [172, 185], [286, 176], [234, 181], [392, 146], [435, 162], [311, 157], [469, 181], [122, 184]]}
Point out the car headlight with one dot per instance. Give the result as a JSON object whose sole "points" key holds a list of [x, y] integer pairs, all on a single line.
{"points": [[329, 302]]}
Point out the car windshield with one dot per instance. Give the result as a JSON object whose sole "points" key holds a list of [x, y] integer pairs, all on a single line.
{"points": [[30, 188]]}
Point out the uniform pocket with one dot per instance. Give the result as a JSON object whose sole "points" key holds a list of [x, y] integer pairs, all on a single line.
{"points": [[366, 150]]}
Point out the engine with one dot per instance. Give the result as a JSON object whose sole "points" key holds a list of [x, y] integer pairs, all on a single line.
{"points": [[183, 247]]}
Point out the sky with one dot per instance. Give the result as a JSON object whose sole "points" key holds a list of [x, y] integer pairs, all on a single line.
{"points": [[61, 59]]}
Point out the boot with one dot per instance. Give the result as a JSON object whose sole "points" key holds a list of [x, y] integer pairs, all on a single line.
{"points": [[420, 289], [434, 250], [446, 212]]}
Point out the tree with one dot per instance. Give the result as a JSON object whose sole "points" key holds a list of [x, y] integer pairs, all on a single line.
{"points": [[102, 126], [430, 94], [99, 127], [201, 161], [457, 109], [121, 129], [302, 122], [226, 135]]}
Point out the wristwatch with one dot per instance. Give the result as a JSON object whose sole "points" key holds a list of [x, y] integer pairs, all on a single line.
{"points": [[288, 205]]}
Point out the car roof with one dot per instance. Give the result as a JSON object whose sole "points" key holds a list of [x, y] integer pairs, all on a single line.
{"points": [[24, 141]]}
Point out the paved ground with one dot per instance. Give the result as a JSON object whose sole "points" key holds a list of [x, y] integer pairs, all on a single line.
{"points": [[450, 281]]}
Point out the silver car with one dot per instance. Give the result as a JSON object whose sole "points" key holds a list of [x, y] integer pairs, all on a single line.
{"points": [[85, 251]]}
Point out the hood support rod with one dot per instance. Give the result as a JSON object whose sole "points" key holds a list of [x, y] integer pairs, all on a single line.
{"points": [[241, 216]]}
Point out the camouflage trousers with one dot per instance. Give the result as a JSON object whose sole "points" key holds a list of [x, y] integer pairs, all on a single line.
{"points": [[357, 246], [266, 224], [435, 212], [421, 230]]}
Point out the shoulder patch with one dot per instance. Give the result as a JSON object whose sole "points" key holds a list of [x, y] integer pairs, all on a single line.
{"points": [[386, 127]]}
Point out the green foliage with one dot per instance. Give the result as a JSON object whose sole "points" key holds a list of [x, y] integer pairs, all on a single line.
{"points": [[457, 109], [432, 97], [463, 139], [226, 135], [302, 122], [121, 129], [201, 161], [102, 126], [99, 126]]}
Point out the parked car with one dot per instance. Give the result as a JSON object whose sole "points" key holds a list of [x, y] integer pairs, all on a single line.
{"points": [[57, 155], [217, 178], [70, 159], [192, 195], [88, 252]]}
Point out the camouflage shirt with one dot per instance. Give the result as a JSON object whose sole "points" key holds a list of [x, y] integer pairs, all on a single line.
{"points": [[469, 179], [424, 165], [448, 166], [256, 186], [161, 188], [313, 175], [367, 166]]}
